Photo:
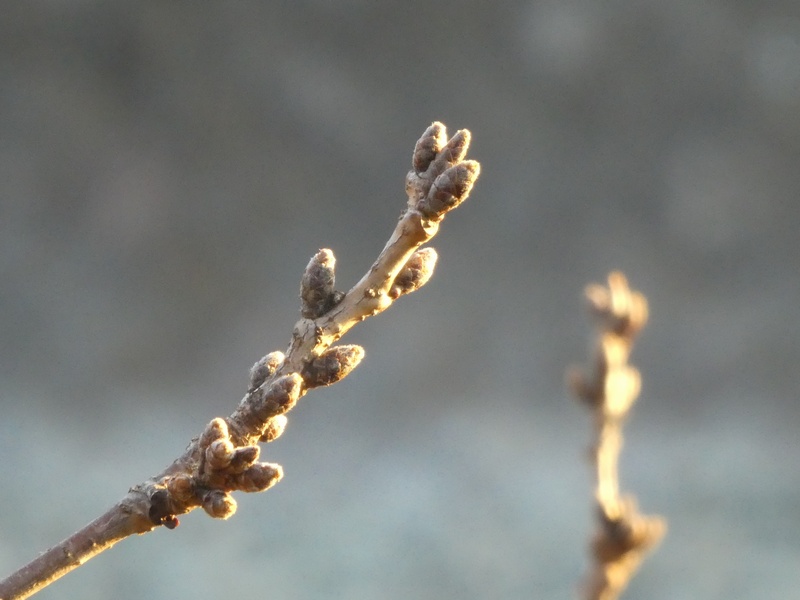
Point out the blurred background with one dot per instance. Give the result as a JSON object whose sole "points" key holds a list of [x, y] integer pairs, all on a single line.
{"points": [[167, 170]]}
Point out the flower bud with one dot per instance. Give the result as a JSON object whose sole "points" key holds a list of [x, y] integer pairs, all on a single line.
{"points": [[416, 273], [332, 365], [275, 427], [265, 368], [243, 457], [218, 504], [428, 146], [455, 150], [279, 397], [317, 294], [259, 477], [449, 189], [181, 487], [215, 430], [219, 454]]}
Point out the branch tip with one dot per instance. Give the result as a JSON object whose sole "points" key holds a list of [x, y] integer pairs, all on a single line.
{"points": [[440, 179]]}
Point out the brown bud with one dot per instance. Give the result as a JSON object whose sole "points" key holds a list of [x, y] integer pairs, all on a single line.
{"points": [[449, 189], [428, 146], [258, 478], [454, 151], [161, 509], [416, 273], [243, 457], [219, 454], [265, 368], [218, 504], [332, 365], [215, 430], [279, 397], [317, 294], [181, 487], [275, 428]]}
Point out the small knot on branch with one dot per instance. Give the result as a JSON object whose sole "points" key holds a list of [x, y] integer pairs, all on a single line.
{"points": [[162, 511], [628, 531]]}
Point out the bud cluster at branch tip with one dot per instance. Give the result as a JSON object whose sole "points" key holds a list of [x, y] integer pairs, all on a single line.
{"points": [[441, 179]]}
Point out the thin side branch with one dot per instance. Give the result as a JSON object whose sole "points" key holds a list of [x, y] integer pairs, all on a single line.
{"points": [[224, 457], [609, 389]]}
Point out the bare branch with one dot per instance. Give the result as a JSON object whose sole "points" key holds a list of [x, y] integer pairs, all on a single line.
{"points": [[609, 389], [224, 458]]}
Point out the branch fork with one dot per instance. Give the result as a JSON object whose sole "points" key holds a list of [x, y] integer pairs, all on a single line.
{"points": [[225, 457]]}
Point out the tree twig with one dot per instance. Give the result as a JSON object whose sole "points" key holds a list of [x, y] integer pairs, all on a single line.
{"points": [[224, 457], [609, 389]]}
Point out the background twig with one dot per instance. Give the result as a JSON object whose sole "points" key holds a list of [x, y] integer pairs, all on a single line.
{"points": [[609, 389]]}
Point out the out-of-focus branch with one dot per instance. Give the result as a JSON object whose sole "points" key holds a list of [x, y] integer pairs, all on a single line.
{"points": [[224, 457], [609, 389]]}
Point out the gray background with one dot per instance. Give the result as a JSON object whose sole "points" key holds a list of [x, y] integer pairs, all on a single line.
{"points": [[167, 169]]}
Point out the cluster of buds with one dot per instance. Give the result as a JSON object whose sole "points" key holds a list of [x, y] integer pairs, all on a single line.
{"points": [[440, 178], [223, 468]]}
